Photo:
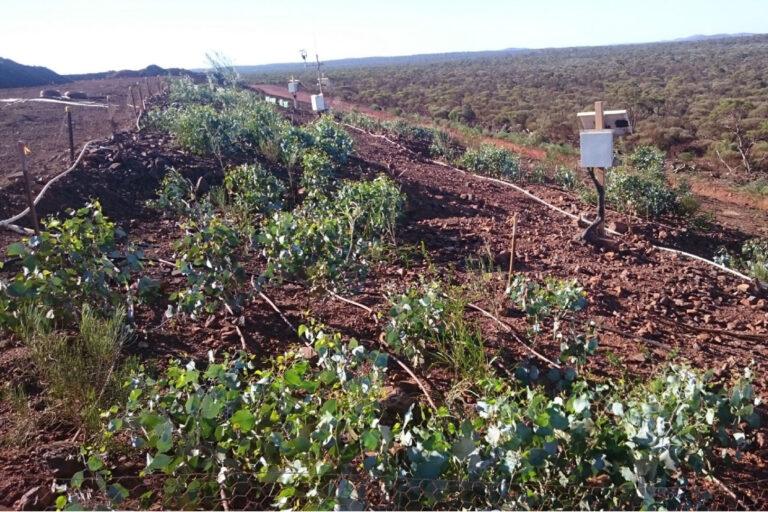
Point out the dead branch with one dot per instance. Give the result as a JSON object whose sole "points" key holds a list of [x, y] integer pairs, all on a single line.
{"points": [[11, 220], [517, 338]]}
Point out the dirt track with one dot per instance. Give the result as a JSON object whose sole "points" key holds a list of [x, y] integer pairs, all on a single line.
{"points": [[688, 311]]}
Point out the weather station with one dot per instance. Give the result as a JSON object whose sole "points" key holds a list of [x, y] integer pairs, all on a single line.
{"points": [[596, 134]]}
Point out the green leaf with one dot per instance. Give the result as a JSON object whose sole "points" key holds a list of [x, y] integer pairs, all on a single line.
{"points": [[160, 461], [61, 502], [16, 249], [95, 463], [117, 493], [371, 440], [77, 480], [210, 408], [243, 420]]}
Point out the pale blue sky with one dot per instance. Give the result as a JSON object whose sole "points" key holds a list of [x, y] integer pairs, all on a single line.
{"points": [[72, 36]]}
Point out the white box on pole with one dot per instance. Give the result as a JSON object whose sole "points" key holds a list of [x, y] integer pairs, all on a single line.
{"points": [[597, 148], [318, 103]]}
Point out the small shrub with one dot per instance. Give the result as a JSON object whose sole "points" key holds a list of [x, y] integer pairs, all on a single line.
{"points": [[428, 325], [332, 139], [566, 178], [207, 256], [69, 264], [58, 356], [415, 319], [331, 238], [554, 298], [444, 146], [648, 194], [175, 196], [492, 161], [648, 159], [254, 189], [297, 426]]}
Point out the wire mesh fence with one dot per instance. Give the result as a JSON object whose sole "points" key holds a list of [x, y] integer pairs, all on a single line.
{"points": [[245, 491]]}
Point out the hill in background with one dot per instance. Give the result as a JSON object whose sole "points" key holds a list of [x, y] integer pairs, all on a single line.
{"points": [[13, 74], [372, 62]]}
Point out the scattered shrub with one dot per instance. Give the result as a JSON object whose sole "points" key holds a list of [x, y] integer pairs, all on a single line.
{"points": [[207, 256], [175, 196], [72, 262], [254, 189], [493, 161], [297, 427]]}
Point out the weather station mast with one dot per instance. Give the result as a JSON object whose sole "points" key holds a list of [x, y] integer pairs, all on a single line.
{"points": [[318, 100]]}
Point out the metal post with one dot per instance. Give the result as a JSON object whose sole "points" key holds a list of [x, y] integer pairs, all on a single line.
{"points": [[28, 186]]}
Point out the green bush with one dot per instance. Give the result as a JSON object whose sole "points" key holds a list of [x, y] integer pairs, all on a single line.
{"points": [[648, 194], [207, 256], [648, 159], [492, 161], [288, 433], [330, 238], [318, 175], [332, 139], [72, 262], [254, 189], [175, 197]]}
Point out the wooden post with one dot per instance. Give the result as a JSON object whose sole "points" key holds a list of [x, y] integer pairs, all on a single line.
{"points": [[600, 173], [71, 135], [146, 82], [141, 97], [28, 186], [512, 249], [133, 99]]}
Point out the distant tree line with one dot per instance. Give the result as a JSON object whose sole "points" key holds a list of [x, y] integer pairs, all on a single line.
{"points": [[694, 99]]}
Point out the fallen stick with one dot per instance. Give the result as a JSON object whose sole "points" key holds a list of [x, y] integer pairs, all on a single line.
{"points": [[242, 338], [733, 334], [354, 303], [729, 492], [514, 335], [277, 310], [394, 358]]}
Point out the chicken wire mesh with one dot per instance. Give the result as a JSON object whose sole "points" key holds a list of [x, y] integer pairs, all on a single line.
{"points": [[242, 491]]}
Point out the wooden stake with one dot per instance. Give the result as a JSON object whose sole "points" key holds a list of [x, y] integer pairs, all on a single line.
{"points": [[600, 172], [141, 97], [28, 186], [71, 135], [512, 248], [133, 99], [146, 82]]}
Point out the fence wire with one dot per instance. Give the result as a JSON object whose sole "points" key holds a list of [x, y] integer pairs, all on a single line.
{"points": [[243, 491]]}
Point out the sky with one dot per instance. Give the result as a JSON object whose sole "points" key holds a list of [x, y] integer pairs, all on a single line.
{"points": [[78, 36]]}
